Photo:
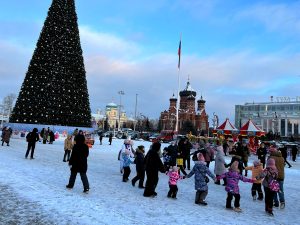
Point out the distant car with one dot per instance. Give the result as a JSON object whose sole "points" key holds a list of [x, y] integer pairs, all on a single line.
{"points": [[167, 135], [89, 139], [107, 133], [153, 137]]}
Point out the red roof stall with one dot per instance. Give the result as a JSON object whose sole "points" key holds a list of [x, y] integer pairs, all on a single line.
{"points": [[251, 130], [226, 128]]}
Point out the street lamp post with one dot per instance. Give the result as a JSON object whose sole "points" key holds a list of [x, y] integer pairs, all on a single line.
{"points": [[2, 107], [120, 93], [135, 111]]}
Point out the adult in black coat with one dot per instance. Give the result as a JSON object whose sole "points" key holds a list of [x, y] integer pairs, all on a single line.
{"points": [[140, 166], [32, 137], [294, 152], [153, 165], [262, 153], [110, 138], [78, 163], [172, 152], [51, 137], [283, 151], [186, 152]]}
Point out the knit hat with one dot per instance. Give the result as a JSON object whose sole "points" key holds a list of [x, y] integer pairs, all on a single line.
{"points": [[220, 149], [141, 148], [156, 146], [271, 163], [200, 157], [235, 166], [272, 148], [174, 168], [256, 163]]}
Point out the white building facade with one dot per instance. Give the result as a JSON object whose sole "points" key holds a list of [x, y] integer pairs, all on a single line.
{"points": [[280, 116]]}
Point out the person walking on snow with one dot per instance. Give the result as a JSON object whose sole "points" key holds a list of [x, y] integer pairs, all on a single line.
{"points": [[68, 145], [153, 165], [32, 137], [140, 166], [78, 163]]}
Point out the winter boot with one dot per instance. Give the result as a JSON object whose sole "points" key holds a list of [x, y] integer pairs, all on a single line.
{"points": [[282, 205], [197, 198], [237, 209]]}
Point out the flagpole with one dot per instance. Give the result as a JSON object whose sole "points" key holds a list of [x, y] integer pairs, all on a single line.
{"points": [[177, 103], [178, 88]]}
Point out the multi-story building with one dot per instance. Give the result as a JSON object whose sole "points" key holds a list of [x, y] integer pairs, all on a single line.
{"points": [[281, 115], [113, 115], [187, 112]]}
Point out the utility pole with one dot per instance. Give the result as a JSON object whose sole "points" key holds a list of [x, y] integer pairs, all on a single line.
{"points": [[120, 93], [135, 111]]}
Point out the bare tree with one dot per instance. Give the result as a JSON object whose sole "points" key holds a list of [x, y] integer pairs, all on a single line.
{"points": [[8, 103]]}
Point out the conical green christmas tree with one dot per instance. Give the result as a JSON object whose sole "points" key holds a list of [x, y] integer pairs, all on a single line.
{"points": [[54, 90]]}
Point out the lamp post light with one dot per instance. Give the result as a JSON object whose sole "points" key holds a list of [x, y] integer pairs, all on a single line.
{"points": [[2, 107], [119, 122]]}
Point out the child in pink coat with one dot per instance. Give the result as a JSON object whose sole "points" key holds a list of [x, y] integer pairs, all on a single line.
{"points": [[173, 178]]}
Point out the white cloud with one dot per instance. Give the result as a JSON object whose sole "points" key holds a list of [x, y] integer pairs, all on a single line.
{"points": [[282, 17], [224, 79], [105, 43]]}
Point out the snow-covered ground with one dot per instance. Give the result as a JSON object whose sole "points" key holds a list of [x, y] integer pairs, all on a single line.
{"points": [[33, 192]]}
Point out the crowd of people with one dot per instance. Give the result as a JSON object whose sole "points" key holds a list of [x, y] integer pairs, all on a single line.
{"points": [[267, 170]]}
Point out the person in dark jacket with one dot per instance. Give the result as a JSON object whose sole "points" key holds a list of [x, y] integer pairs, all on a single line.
{"points": [[180, 156], [51, 137], [294, 152], [100, 137], [110, 138], [6, 134], [186, 152], [153, 165], [172, 152], [261, 154], [283, 151], [32, 137], [78, 163], [140, 166], [244, 153]]}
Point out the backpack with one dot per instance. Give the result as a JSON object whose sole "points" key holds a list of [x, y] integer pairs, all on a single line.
{"points": [[119, 155], [274, 185]]}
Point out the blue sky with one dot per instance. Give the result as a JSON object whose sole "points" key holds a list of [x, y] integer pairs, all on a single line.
{"points": [[234, 51]]}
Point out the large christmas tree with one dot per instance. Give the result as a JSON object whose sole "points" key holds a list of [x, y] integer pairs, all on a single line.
{"points": [[54, 90]]}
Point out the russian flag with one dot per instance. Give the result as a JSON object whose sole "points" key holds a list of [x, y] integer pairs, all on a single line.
{"points": [[179, 53]]}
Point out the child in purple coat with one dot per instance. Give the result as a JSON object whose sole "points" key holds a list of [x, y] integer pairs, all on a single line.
{"points": [[232, 187]]}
